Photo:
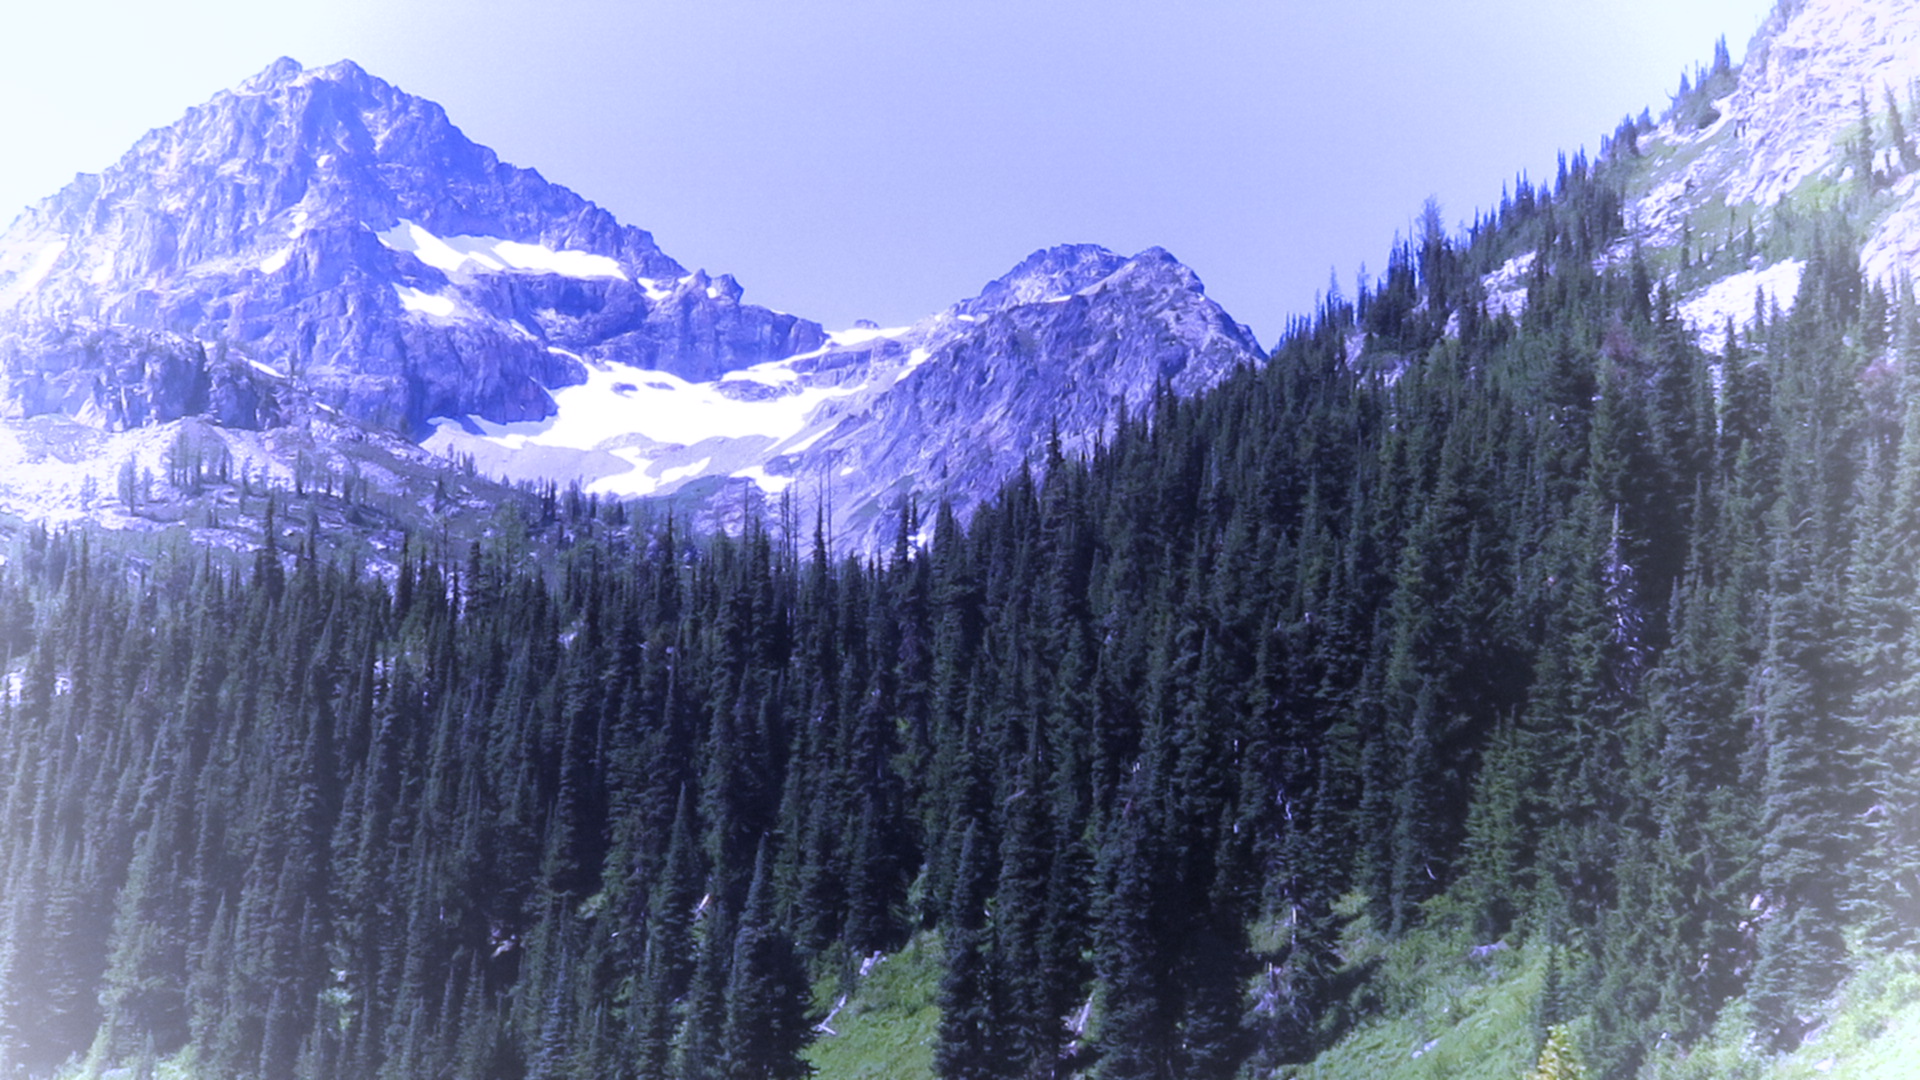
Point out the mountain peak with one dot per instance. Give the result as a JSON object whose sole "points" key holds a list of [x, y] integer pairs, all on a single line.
{"points": [[286, 72], [333, 224], [1047, 274], [320, 230], [1055, 273], [277, 74]]}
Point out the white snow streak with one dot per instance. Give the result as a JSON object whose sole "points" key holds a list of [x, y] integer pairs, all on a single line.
{"points": [[630, 431], [772, 485], [490, 255], [863, 334]]}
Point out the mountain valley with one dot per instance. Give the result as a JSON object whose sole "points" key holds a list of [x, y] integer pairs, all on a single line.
{"points": [[446, 637]]}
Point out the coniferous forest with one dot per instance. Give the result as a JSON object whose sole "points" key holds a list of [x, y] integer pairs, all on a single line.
{"points": [[1559, 630]]}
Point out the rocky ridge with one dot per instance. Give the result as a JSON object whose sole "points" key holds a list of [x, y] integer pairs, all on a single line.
{"points": [[943, 409], [1784, 144], [317, 249]]}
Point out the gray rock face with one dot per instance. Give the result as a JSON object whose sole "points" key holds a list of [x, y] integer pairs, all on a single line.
{"points": [[1064, 342], [118, 378], [1045, 274], [345, 231]]}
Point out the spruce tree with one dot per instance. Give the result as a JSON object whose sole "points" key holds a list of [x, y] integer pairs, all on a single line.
{"points": [[769, 1004], [968, 1046]]}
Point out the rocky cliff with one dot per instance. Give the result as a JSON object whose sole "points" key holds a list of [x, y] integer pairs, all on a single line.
{"points": [[341, 230], [1818, 124]]}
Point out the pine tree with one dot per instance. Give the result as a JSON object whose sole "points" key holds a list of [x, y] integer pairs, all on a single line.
{"points": [[667, 967], [1136, 986], [968, 1043], [768, 1001], [1897, 132]]}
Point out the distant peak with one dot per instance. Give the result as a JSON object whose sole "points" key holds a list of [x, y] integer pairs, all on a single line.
{"points": [[279, 73], [1065, 258], [1057, 272], [287, 72], [341, 71], [1048, 273], [1158, 260]]}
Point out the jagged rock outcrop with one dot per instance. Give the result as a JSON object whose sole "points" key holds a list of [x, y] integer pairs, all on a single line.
{"points": [[345, 231], [1791, 128], [117, 378], [1065, 342], [1805, 126]]}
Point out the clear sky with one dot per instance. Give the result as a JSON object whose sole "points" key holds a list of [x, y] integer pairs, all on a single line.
{"points": [[880, 159]]}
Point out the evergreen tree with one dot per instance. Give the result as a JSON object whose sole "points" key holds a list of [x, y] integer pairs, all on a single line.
{"points": [[768, 1001], [968, 1046]]}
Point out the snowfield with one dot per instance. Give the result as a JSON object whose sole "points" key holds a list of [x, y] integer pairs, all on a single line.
{"points": [[630, 431], [426, 303]]}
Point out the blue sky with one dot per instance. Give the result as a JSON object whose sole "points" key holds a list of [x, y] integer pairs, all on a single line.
{"points": [[883, 158]]}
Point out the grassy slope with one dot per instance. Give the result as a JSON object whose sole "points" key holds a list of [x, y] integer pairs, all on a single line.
{"points": [[1438, 1012], [1873, 1034], [885, 1029], [1436, 1007], [1435, 1004]]}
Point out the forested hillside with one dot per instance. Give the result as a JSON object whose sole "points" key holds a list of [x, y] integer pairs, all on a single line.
{"points": [[1561, 632]]}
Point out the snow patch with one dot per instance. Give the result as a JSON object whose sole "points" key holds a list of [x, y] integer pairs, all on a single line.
{"points": [[1708, 310], [275, 262], [772, 373], [772, 485], [805, 442], [102, 270], [490, 255], [426, 303], [631, 431], [684, 472]]}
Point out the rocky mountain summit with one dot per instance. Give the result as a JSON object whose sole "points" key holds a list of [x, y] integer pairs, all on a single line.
{"points": [[317, 247], [333, 227]]}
